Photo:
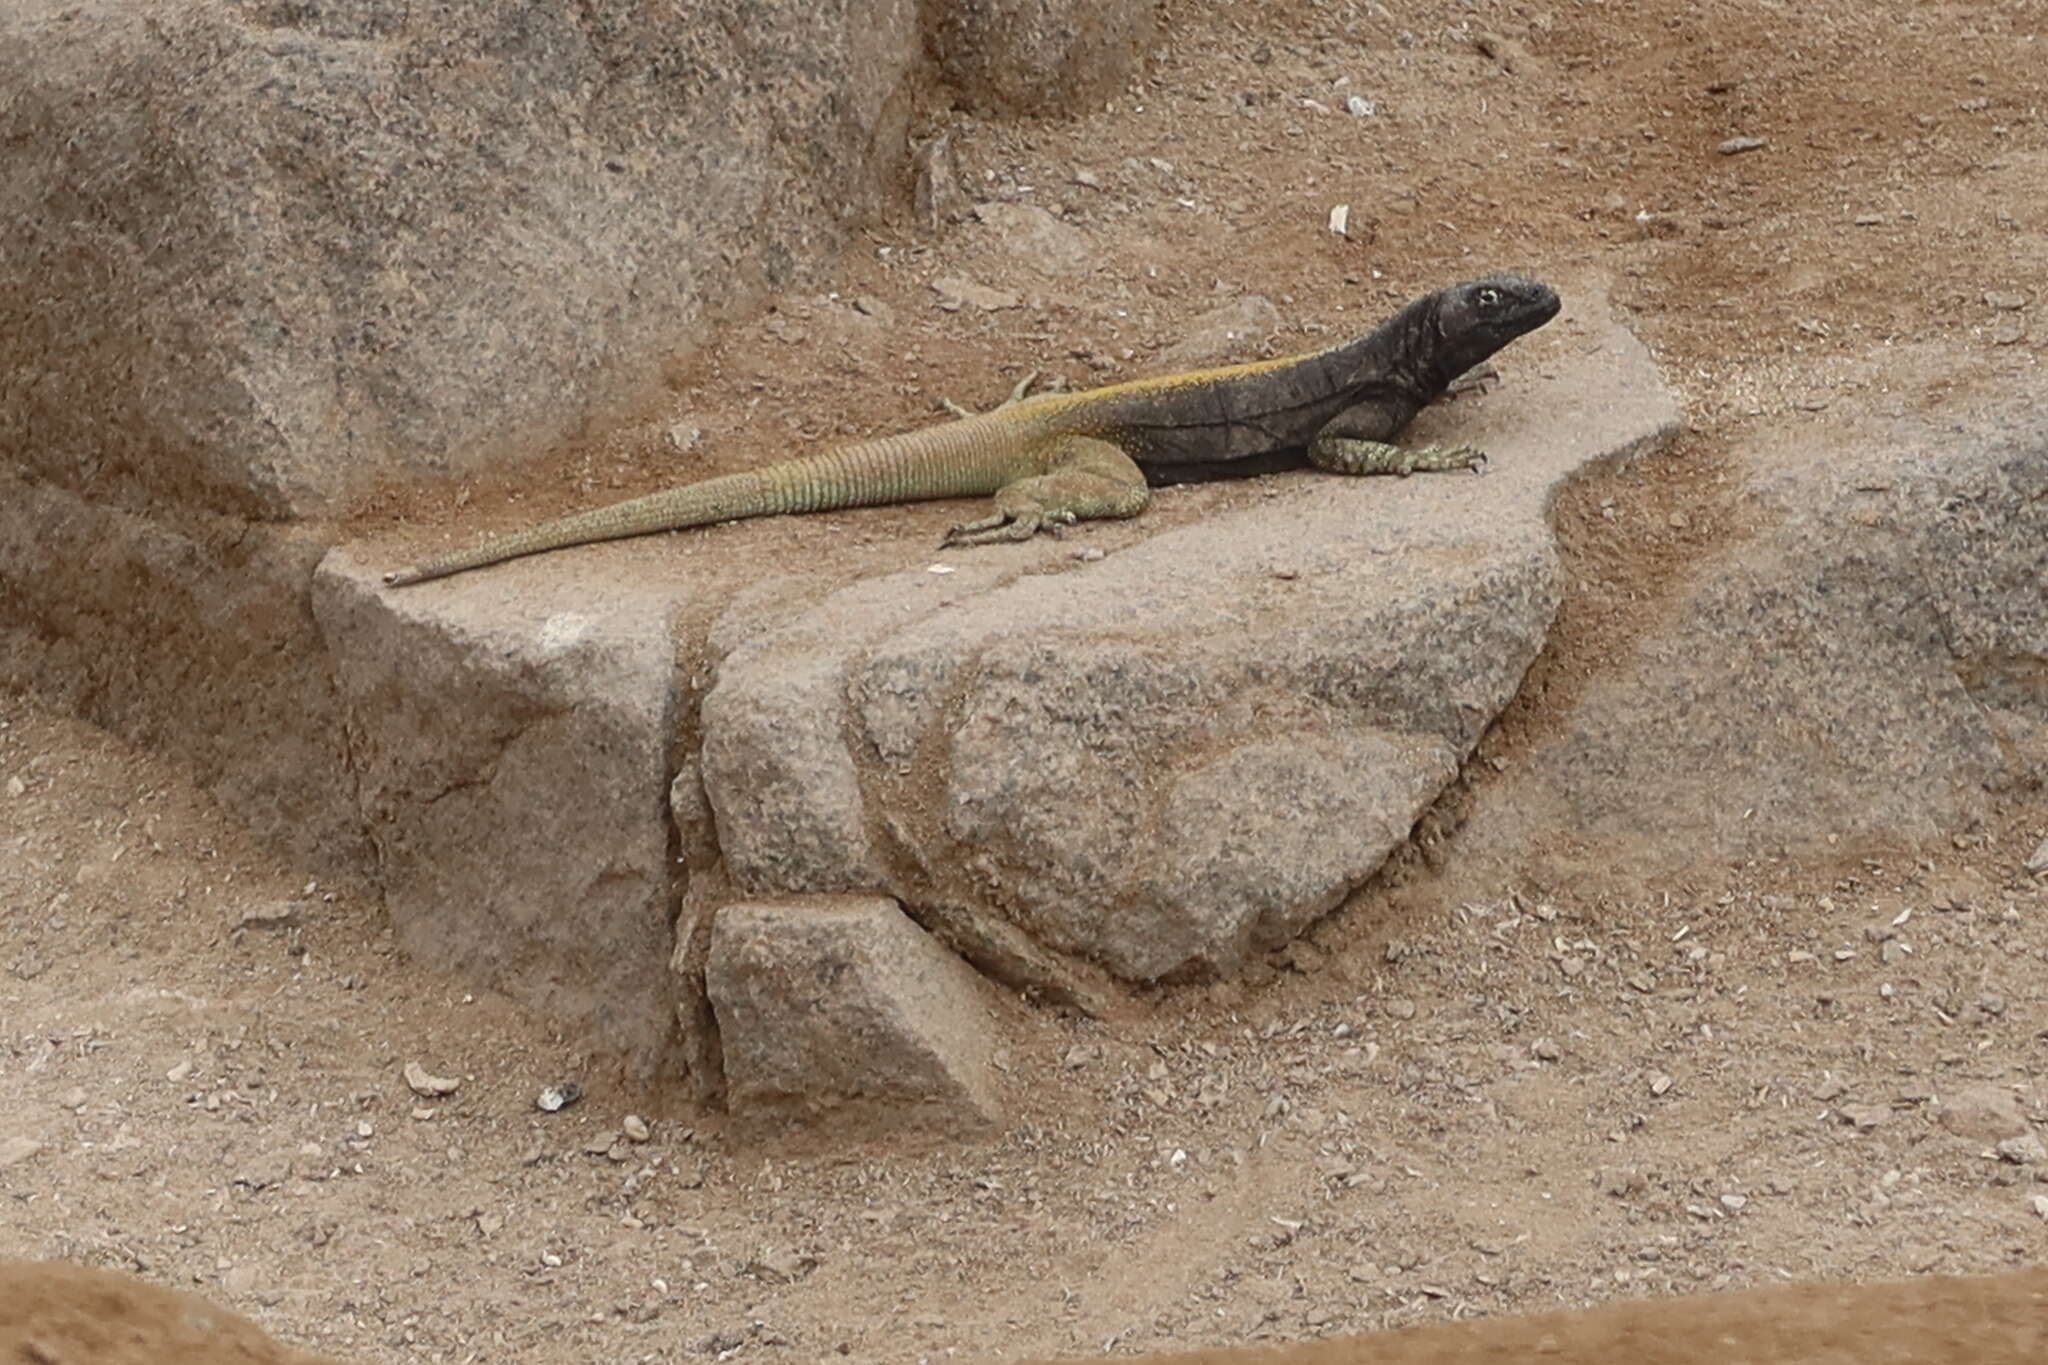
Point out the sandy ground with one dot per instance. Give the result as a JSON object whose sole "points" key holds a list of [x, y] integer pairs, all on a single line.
{"points": [[1463, 1097]]}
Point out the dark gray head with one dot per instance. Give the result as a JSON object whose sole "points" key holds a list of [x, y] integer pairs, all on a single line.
{"points": [[1478, 317]]}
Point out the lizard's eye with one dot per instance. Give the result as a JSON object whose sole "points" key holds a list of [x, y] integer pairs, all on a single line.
{"points": [[1489, 298]]}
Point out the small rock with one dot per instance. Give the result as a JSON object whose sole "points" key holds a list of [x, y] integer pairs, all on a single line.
{"points": [[1736, 145], [2041, 1205], [558, 1097], [954, 292], [73, 1099], [602, 1143], [684, 437], [873, 307], [16, 787], [1399, 1009], [1358, 106], [241, 1279], [1983, 1113], [1221, 335], [1869, 219], [15, 1150], [1864, 1117], [429, 1086], [1544, 1050], [1038, 239], [2008, 329], [2024, 1150], [270, 915], [1991, 1003], [2037, 861], [635, 1128], [1660, 1084], [180, 1071], [2004, 302]]}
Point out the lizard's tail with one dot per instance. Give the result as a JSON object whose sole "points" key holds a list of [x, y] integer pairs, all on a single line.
{"points": [[892, 469]]}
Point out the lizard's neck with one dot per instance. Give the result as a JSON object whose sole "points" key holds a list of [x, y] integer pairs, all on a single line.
{"points": [[1407, 352]]}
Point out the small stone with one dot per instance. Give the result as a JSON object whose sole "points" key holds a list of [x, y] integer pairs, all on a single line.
{"points": [[635, 1128], [180, 1071], [2004, 302], [1399, 1009], [270, 915], [2037, 861], [1864, 1117], [2008, 329], [15, 1150], [1869, 219], [953, 292], [1358, 106], [1737, 145], [1991, 1003], [1660, 1084], [1544, 1050], [2024, 1150], [427, 1085], [240, 1280], [1734, 1202], [73, 1099], [558, 1097], [2041, 1205], [684, 437], [601, 1144], [873, 307]]}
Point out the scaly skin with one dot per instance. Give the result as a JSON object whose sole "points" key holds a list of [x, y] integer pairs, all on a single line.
{"points": [[1056, 459]]}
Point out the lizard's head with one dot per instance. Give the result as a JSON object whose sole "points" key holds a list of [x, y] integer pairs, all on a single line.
{"points": [[1478, 317]]}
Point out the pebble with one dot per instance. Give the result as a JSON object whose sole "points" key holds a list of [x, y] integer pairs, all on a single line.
{"points": [[2025, 1150], [2037, 861], [2004, 302], [2041, 1205], [73, 1099], [635, 1128], [2008, 329], [954, 292], [558, 1097], [1736, 145], [427, 1085]]}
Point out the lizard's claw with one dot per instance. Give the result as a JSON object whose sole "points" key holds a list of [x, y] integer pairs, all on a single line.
{"points": [[999, 527], [1017, 395]]}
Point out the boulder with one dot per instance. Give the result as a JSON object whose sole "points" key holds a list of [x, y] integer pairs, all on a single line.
{"points": [[1038, 56], [1866, 665], [825, 1002], [1174, 757], [510, 749], [58, 1313], [263, 257]]}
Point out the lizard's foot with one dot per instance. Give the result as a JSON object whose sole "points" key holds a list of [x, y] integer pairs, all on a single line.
{"points": [[1017, 394], [1349, 455], [999, 527], [1436, 459]]}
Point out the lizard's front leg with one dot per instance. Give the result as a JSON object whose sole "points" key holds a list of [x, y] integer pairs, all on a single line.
{"points": [[1086, 480], [1359, 440]]}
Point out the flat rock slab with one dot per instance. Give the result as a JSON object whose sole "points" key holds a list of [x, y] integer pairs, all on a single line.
{"points": [[1167, 760], [825, 1002]]}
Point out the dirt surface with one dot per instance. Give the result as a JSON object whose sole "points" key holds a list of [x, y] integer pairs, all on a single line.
{"points": [[1469, 1094]]}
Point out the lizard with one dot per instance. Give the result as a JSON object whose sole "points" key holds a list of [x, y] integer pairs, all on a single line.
{"points": [[1053, 459]]}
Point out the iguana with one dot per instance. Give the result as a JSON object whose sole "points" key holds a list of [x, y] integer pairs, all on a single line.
{"points": [[1057, 458]]}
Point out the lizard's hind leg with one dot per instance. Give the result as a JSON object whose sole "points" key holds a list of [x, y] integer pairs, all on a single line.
{"points": [[1088, 480]]}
